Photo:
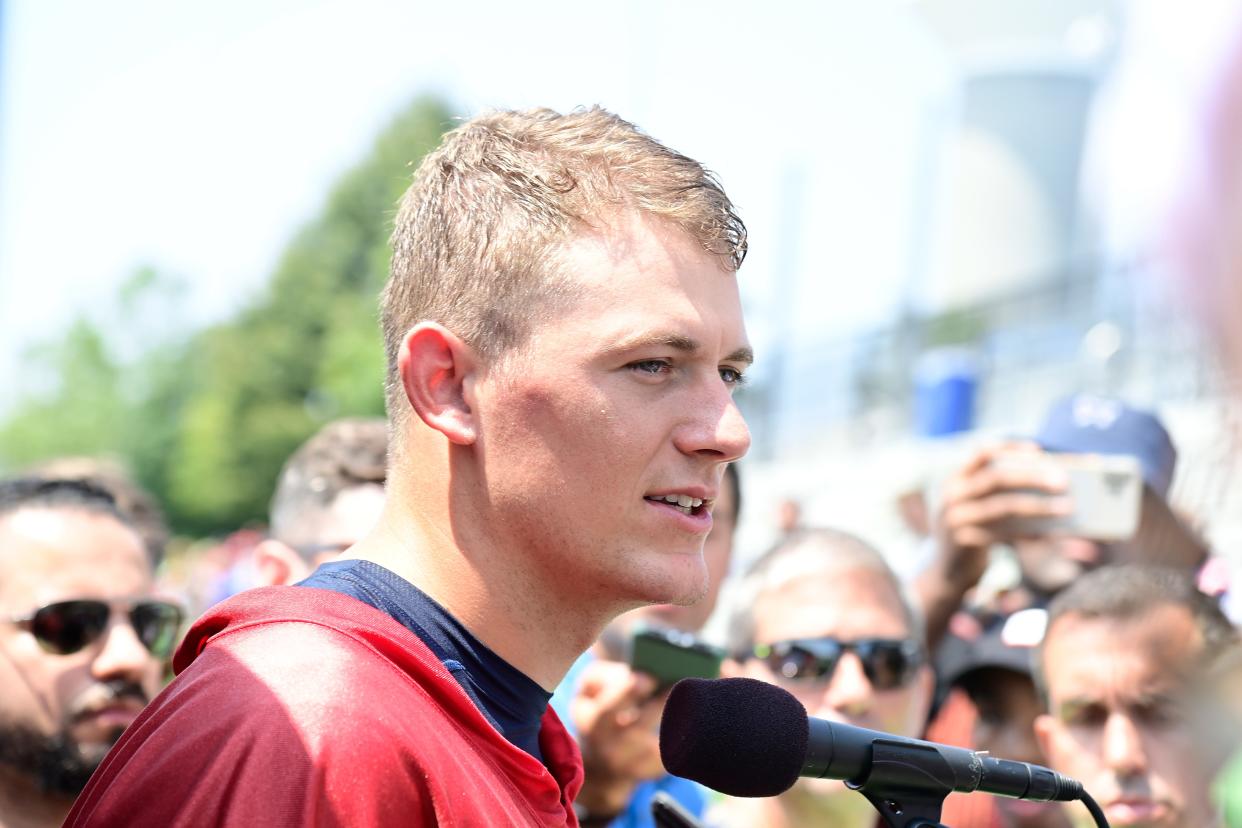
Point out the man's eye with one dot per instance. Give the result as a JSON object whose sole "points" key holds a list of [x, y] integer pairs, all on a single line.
{"points": [[732, 377], [1160, 714], [653, 367], [1087, 716]]}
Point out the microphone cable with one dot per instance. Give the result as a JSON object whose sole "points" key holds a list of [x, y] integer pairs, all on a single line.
{"points": [[1096, 812]]}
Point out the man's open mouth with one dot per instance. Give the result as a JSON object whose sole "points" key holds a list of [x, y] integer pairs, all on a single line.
{"points": [[683, 503]]}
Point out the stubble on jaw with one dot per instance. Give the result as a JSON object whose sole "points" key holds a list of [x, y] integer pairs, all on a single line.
{"points": [[55, 763]]}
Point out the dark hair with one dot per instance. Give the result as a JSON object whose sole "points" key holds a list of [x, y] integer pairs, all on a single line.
{"points": [[341, 455], [1125, 592], [734, 479], [54, 493], [19, 493], [140, 508]]}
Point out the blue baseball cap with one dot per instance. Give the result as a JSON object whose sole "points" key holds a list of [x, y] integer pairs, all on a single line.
{"points": [[1084, 424]]}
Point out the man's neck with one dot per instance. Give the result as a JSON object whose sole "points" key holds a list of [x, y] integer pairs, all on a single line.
{"points": [[538, 629], [23, 805]]}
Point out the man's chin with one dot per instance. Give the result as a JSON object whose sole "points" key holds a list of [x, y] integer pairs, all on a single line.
{"points": [[673, 586], [1058, 578], [1140, 815], [1025, 812]]}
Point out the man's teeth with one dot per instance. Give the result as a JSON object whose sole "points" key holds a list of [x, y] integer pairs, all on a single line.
{"points": [[684, 503]]}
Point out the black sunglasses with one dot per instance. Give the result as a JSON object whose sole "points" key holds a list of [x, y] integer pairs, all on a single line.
{"points": [[68, 626], [887, 662]]}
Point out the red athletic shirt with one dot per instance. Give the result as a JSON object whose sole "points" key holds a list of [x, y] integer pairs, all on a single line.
{"points": [[297, 706]]}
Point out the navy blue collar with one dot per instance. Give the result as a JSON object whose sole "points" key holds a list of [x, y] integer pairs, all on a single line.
{"points": [[506, 696]]}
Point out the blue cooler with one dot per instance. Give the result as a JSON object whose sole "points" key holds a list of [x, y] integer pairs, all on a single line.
{"points": [[945, 383]]}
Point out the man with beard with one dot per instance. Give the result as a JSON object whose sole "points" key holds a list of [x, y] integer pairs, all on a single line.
{"points": [[823, 616], [82, 643]]}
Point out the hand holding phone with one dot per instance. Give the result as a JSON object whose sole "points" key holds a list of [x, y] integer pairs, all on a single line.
{"points": [[1105, 493], [979, 502]]}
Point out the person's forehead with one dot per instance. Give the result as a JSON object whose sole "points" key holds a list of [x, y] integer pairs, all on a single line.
{"points": [[49, 554], [1151, 653], [848, 603], [631, 237], [635, 252]]}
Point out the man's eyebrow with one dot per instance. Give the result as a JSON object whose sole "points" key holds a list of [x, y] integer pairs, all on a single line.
{"points": [[1154, 699], [1071, 707], [677, 342]]}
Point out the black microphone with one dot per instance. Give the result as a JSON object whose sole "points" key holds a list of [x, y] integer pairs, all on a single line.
{"points": [[745, 737]]}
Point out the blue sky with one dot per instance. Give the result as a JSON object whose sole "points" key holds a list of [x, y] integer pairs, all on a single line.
{"points": [[196, 138]]}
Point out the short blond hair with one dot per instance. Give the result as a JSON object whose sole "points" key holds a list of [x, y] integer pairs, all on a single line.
{"points": [[478, 229]]}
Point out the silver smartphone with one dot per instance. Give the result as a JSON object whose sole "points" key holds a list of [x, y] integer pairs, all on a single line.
{"points": [[1106, 490]]}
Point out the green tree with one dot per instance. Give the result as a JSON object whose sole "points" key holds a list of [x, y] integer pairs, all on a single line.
{"points": [[207, 419], [78, 413], [101, 393], [307, 351]]}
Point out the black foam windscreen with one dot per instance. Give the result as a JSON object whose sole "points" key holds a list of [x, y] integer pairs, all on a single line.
{"points": [[739, 736]]}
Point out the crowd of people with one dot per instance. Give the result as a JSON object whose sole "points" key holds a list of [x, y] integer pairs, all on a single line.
{"points": [[442, 618]]}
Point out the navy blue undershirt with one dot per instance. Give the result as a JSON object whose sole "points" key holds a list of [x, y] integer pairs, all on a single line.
{"points": [[507, 697]]}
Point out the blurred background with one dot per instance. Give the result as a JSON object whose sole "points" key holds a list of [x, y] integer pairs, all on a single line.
{"points": [[953, 207]]}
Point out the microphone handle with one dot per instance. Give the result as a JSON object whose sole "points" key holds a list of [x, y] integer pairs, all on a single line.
{"points": [[847, 752]]}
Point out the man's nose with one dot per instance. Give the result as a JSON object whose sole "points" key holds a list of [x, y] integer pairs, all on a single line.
{"points": [[733, 433], [1123, 746], [121, 654], [849, 691], [718, 428]]}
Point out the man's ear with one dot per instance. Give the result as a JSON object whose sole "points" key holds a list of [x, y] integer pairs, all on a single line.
{"points": [[276, 564], [437, 369]]}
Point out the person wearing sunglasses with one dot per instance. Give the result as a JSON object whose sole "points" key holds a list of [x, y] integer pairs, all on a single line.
{"points": [[83, 641], [823, 616]]}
